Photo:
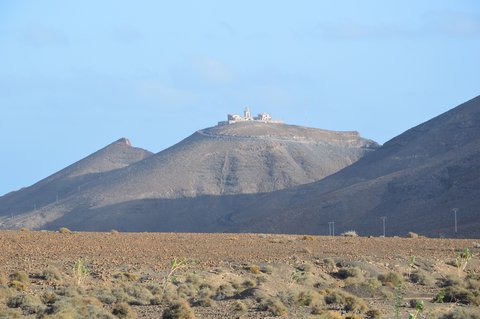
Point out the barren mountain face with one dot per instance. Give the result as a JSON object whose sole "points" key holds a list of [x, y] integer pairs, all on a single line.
{"points": [[414, 180], [219, 162]]}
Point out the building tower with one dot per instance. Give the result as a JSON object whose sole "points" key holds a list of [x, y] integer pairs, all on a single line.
{"points": [[247, 114]]}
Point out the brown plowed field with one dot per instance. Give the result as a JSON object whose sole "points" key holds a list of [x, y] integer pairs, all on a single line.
{"points": [[220, 259]]}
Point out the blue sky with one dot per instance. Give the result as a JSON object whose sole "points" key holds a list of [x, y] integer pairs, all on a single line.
{"points": [[77, 75]]}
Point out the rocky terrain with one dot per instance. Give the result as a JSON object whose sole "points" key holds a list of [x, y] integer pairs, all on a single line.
{"points": [[414, 180], [183, 275], [187, 186]]}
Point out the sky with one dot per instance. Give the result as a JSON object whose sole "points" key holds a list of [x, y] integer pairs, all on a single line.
{"points": [[78, 75]]}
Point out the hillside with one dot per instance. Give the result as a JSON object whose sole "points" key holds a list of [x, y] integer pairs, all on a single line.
{"points": [[70, 180], [415, 180], [206, 175]]}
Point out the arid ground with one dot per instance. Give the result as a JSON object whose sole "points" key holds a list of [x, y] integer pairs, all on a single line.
{"points": [[134, 275]]}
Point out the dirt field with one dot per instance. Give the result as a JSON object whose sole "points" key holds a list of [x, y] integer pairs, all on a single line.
{"points": [[234, 275]]}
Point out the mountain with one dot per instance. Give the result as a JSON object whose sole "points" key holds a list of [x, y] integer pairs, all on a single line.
{"points": [[70, 180], [415, 180], [206, 175]]}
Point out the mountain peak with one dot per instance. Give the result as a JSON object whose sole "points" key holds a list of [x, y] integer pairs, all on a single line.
{"points": [[124, 141]]}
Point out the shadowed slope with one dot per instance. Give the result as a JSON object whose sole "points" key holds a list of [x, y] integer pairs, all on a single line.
{"points": [[415, 180]]}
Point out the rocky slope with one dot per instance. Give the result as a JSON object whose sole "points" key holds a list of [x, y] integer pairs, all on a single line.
{"points": [[415, 180], [204, 176], [70, 180]]}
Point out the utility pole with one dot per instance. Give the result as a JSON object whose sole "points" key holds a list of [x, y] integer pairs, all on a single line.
{"points": [[331, 228], [455, 210], [383, 222]]}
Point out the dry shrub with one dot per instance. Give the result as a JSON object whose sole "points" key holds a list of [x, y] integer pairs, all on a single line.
{"points": [[178, 310], [391, 279], [330, 264], [28, 303], [248, 283], [51, 273], [126, 276], [350, 272], [11, 314], [373, 314], [346, 301], [239, 306], [124, 311], [309, 298], [19, 280], [459, 294], [64, 230], [138, 294], [412, 235], [349, 233], [254, 269], [48, 297], [422, 278], [104, 295], [329, 315], [461, 313], [224, 291], [274, 306], [266, 269], [204, 296], [79, 307]]}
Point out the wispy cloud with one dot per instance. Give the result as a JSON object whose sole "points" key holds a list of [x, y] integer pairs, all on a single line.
{"points": [[351, 30], [152, 92], [452, 23], [38, 35], [435, 23], [202, 71], [126, 34]]}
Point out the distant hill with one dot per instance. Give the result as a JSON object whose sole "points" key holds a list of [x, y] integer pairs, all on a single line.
{"points": [[415, 180], [203, 177], [72, 179]]}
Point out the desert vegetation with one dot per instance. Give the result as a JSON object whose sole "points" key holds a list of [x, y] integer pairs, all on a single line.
{"points": [[294, 277]]}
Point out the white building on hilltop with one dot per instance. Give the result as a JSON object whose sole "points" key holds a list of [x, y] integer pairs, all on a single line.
{"points": [[247, 117]]}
